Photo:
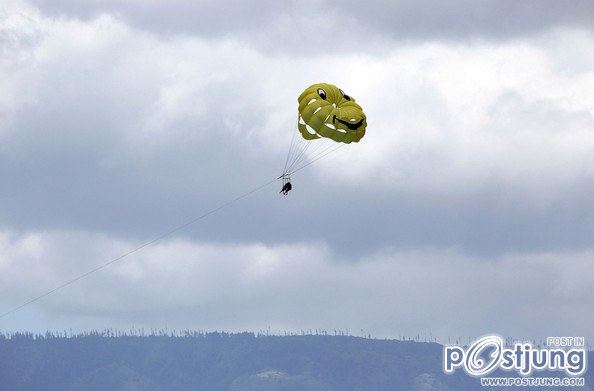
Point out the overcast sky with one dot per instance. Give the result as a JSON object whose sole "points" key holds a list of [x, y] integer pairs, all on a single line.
{"points": [[468, 208]]}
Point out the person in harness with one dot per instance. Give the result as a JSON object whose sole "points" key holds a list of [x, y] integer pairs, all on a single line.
{"points": [[286, 188]]}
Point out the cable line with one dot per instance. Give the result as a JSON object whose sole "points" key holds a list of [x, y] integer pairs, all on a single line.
{"points": [[154, 240]]}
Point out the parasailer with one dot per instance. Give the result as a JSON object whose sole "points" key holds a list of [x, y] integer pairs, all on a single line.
{"points": [[327, 116], [287, 187]]}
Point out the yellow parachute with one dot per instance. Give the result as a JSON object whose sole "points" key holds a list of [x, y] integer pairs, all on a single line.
{"points": [[327, 116], [326, 111]]}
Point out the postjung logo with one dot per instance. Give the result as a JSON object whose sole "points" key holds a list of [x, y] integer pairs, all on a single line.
{"points": [[489, 353]]}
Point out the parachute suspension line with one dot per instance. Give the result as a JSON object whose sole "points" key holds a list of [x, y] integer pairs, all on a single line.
{"points": [[300, 156], [319, 148], [303, 147], [303, 154], [296, 148], [290, 152], [317, 158]]}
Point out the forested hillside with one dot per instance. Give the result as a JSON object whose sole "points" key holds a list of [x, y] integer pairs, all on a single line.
{"points": [[220, 361]]}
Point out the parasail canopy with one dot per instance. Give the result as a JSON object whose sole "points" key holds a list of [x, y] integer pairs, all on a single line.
{"points": [[325, 111]]}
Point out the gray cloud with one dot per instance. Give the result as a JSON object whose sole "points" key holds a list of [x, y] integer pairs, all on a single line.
{"points": [[478, 158], [326, 25], [182, 284], [463, 19]]}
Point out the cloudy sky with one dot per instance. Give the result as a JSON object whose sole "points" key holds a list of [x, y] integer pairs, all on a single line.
{"points": [[468, 208]]}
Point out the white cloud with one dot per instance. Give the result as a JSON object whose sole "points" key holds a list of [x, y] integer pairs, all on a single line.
{"points": [[300, 286]]}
